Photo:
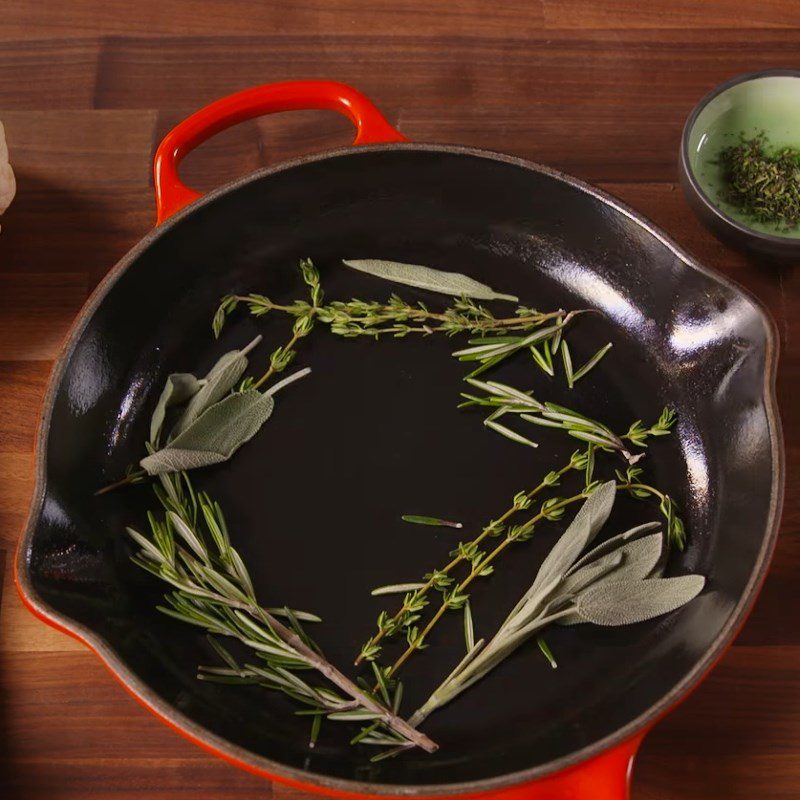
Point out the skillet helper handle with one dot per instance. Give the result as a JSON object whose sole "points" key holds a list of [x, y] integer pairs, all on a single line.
{"points": [[605, 777], [172, 194]]}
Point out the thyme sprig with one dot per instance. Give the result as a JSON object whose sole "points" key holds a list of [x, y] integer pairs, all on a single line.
{"points": [[617, 583], [395, 317], [303, 324], [189, 548], [676, 531], [439, 579], [454, 597], [552, 509]]}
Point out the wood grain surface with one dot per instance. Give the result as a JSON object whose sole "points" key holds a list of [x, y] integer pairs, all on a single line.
{"points": [[599, 89]]}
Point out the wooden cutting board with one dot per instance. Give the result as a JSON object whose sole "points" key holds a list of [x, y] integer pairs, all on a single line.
{"points": [[598, 89]]}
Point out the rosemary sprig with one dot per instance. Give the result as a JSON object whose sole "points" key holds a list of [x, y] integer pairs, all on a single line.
{"points": [[132, 476], [439, 579], [504, 399], [490, 353], [213, 590]]}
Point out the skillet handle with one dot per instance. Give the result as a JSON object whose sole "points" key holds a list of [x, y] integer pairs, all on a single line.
{"points": [[604, 777], [172, 194]]}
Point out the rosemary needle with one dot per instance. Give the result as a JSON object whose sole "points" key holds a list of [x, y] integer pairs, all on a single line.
{"points": [[434, 521]]}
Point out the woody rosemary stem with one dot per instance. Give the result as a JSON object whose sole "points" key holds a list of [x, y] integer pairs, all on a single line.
{"points": [[133, 477], [345, 684], [487, 531]]}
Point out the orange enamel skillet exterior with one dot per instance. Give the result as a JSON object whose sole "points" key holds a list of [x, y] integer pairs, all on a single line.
{"points": [[605, 776]]}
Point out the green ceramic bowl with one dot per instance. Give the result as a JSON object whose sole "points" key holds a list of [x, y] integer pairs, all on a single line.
{"points": [[749, 104]]}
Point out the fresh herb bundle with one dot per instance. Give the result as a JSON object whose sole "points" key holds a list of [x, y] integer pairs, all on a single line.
{"points": [[454, 595], [617, 583], [190, 549], [764, 185]]}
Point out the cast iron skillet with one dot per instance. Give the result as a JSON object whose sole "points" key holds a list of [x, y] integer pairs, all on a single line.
{"points": [[314, 501]]}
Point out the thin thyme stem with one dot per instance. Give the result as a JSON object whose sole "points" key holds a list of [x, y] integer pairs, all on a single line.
{"points": [[271, 306], [513, 323], [304, 322], [487, 531], [644, 487], [361, 318], [296, 336]]}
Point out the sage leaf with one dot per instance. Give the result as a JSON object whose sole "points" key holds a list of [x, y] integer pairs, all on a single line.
{"points": [[613, 543], [220, 380], [607, 565], [583, 528], [179, 387], [434, 280], [625, 602], [588, 521], [215, 435], [633, 561], [638, 559]]}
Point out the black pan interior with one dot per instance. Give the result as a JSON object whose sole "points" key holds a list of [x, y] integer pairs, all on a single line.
{"points": [[314, 502]]}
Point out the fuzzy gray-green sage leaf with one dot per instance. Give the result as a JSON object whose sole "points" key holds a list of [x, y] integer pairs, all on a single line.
{"points": [[626, 602], [180, 387], [215, 435], [434, 280], [220, 380], [612, 585]]}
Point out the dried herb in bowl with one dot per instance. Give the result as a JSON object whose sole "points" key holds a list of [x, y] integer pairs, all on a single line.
{"points": [[762, 182]]}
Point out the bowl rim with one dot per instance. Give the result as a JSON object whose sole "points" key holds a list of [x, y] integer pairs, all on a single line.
{"points": [[688, 172]]}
